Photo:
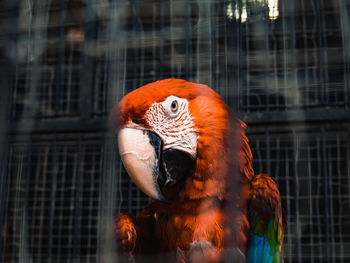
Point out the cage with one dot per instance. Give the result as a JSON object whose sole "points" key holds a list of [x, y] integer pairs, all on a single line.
{"points": [[283, 66]]}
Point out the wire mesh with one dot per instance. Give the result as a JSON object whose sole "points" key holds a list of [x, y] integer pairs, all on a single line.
{"points": [[53, 201], [311, 170], [47, 69], [293, 60], [287, 55], [74, 59], [55, 195]]}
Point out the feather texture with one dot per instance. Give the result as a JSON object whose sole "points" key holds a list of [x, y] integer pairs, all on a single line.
{"points": [[221, 206], [267, 223]]}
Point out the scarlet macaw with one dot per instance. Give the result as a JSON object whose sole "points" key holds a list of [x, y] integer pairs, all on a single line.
{"points": [[182, 147]]}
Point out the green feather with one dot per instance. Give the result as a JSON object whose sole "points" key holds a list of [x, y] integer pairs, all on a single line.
{"points": [[271, 231]]}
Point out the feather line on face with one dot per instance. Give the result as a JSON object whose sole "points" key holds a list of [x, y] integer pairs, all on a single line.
{"points": [[176, 128]]}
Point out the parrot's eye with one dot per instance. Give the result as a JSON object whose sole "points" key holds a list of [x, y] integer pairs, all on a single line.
{"points": [[174, 106]]}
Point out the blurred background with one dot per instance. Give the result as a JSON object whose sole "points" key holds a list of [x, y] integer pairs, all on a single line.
{"points": [[282, 65]]}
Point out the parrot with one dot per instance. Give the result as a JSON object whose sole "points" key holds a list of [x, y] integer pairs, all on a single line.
{"points": [[185, 149]]}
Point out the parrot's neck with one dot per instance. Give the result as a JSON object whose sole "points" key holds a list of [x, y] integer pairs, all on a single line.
{"points": [[211, 169], [223, 164]]}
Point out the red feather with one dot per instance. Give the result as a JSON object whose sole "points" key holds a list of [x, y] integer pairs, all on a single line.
{"points": [[211, 208]]}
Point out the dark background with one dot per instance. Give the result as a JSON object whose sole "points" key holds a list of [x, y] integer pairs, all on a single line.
{"points": [[283, 66]]}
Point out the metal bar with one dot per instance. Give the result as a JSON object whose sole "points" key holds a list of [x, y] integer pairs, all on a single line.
{"points": [[198, 40], [90, 207], [69, 76], [110, 185], [88, 64], [154, 47], [310, 184], [78, 201], [43, 73], [344, 10], [5, 191], [161, 47], [13, 90], [267, 56], [8, 73], [142, 47], [130, 188], [268, 151], [52, 198], [18, 211], [324, 64], [7, 199], [101, 215], [288, 197], [306, 60], [188, 69], [26, 209], [348, 164], [120, 199], [43, 159], [59, 69], [138, 199], [172, 45], [294, 47], [325, 181], [330, 183], [27, 112], [318, 194], [9, 76], [258, 152], [297, 192], [340, 186], [105, 93], [225, 77], [285, 54], [73, 202], [136, 34], [62, 197], [33, 60], [248, 51], [276, 174], [275, 89], [239, 99], [96, 109], [321, 59], [213, 49], [114, 62]]}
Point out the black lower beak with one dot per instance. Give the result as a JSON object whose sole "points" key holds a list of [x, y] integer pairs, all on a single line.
{"points": [[171, 165], [177, 165], [151, 168]]}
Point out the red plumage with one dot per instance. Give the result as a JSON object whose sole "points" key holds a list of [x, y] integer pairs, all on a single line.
{"points": [[207, 218]]}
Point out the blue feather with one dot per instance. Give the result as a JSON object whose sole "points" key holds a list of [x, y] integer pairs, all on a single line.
{"points": [[259, 249]]}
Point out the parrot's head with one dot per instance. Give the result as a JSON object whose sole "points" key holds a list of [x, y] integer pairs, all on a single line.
{"points": [[166, 130]]}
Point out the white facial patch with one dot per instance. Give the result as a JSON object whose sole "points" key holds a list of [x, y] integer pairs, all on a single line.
{"points": [[173, 122]]}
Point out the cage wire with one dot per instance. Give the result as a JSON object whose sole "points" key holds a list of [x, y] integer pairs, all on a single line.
{"points": [[281, 65]]}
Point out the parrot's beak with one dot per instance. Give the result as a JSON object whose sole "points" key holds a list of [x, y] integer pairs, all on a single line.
{"points": [[147, 165]]}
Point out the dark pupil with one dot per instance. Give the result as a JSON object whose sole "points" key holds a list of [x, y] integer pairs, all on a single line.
{"points": [[173, 105]]}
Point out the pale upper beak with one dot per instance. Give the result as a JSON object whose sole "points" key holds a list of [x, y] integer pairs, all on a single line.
{"points": [[148, 165], [140, 152]]}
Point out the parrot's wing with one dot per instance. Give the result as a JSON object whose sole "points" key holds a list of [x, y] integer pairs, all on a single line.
{"points": [[267, 221]]}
